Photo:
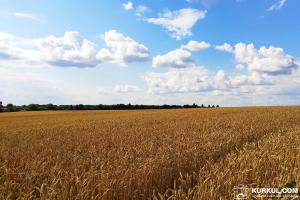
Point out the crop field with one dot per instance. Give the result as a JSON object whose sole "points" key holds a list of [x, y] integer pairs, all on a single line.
{"points": [[190, 154]]}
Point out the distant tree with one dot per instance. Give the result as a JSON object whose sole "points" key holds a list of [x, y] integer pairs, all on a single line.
{"points": [[79, 107], [208, 106], [100, 107], [10, 108], [213, 106], [218, 106], [1, 106], [23, 107], [37, 107], [32, 107], [165, 106], [50, 106], [121, 106], [202, 105]]}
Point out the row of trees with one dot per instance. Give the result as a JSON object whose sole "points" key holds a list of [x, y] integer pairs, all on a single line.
{"points": [[39, 107]]}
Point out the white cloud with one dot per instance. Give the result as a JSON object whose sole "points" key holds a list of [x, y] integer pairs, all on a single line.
{"points": [[187, 80], [178, 58], [270, 60], [270, 72], [195, 45], [180, 22], [128, 5], [181, 57], [277, 6], [225, 47], [270, 76], [15, 49], [126, 88], [26, 15], [192, 79], [219, 81], [70, 50], [121, 49], [251, 79], [140, 10], [199, 80]]}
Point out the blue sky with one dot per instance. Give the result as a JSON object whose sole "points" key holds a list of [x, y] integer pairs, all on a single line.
{"points": [[233, 52]]}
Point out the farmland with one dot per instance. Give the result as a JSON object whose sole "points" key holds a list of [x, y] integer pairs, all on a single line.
{"points": [[147, 154]]}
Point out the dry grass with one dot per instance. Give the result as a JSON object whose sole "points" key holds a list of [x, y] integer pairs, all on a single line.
{"points": [[151, 154]]}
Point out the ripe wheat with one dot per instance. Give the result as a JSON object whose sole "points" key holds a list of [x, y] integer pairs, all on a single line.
{"points": [[150, 154]]}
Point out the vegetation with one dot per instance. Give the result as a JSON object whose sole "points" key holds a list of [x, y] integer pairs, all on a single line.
{"points": [[37, 107], [147, 154]]}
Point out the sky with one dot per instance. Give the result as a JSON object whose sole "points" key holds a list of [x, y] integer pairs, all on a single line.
{"points": [[226, 52]]}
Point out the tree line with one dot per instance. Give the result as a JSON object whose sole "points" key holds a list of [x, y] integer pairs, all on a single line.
{"points": [[40, 107]]}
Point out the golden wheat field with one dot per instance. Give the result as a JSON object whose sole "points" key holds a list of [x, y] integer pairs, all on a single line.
{"points": [[188, 154]]}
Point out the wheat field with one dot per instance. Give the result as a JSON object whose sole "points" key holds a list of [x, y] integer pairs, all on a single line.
{"points": [[147, 154]]}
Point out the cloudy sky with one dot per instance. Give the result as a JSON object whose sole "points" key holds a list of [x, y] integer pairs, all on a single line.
{"points": [[232, 53]]}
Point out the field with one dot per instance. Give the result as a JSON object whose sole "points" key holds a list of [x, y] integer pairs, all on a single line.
{"points": [[148, 154]]}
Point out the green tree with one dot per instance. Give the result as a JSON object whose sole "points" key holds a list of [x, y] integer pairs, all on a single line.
{"points": [[50, 106], [1, 106], [32, 107], [10, 107]]}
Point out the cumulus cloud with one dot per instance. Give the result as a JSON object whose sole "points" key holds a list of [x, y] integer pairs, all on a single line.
{"points": [[128, 5], [277, 6], [181, 57], [253, 78], [178, 80], [180, 22], [178, 58], [195, 45], [126, 88], [225, 47], [187, 80], [121, 49], [14, 48], [26, 15], [270, 71], [269, 60], [198, 80], [70, 50]]}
